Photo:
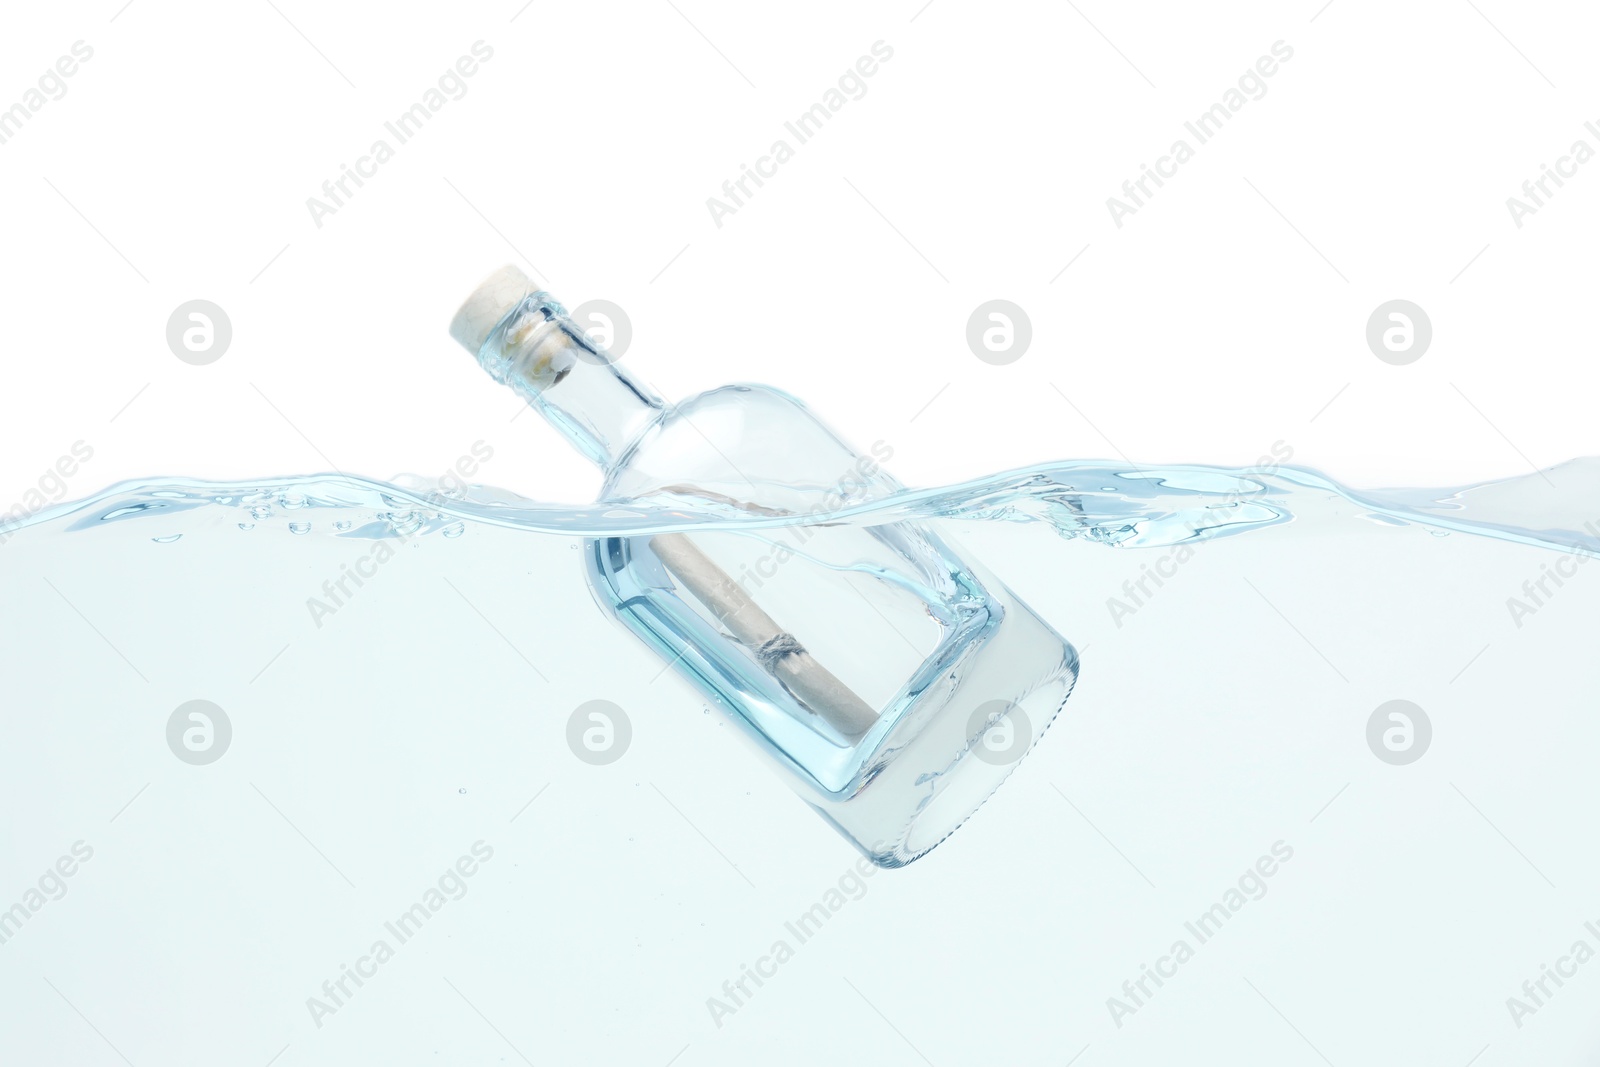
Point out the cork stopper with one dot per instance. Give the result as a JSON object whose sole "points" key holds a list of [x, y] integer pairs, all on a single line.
{"points": [[490, 302]]}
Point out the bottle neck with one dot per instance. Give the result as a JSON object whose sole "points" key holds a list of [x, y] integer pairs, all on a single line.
{"points": [[548, 360]]}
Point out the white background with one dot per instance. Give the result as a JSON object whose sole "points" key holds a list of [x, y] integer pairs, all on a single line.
{"points": [[1203, 330], [1227, 315]]}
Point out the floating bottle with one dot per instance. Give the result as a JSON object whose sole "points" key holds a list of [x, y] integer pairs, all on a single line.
{"points": [[891, 678]]}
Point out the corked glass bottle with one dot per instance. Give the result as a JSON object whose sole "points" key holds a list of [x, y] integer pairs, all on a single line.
{"points": [[892, 679]]}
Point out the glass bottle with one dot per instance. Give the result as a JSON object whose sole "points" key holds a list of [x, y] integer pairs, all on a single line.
{"points": [[892, 679]]}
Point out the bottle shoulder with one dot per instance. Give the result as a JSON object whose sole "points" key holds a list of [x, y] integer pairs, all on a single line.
{"points": [[744, 395], [748, 442]]}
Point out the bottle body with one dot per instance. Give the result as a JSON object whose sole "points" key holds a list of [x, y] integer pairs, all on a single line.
{"points": [[961, 677]]}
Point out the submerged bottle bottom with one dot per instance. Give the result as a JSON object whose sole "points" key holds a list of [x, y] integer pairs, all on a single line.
{"points": [[962, 740], [976, 705]]}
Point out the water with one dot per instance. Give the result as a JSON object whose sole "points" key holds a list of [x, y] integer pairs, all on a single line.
{"points": [[403, 673], [1118, 505]]}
